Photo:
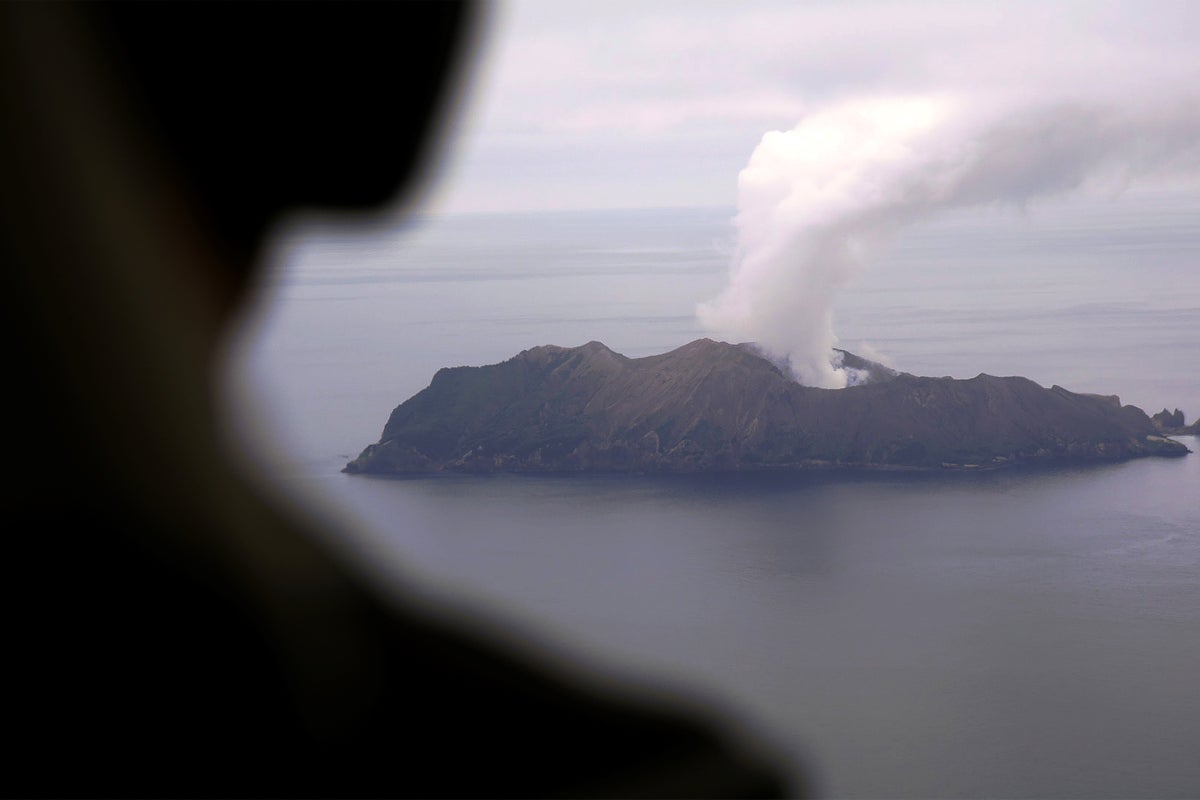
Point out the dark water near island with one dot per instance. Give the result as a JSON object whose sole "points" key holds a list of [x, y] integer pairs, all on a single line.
{"points": [[1002, 634]]}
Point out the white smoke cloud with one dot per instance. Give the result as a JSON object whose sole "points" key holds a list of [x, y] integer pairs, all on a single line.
{"points": [[816, 200], [868, 351]]}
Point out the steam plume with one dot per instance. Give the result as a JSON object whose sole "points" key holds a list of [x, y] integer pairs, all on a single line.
{"points": [[813, 202]]}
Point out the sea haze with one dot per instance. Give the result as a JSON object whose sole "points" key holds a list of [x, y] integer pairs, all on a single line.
{"points": [[1013, 633]]}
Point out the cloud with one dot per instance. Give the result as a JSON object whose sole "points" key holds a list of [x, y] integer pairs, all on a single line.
{"points": [[815, 200], [618, 97]]}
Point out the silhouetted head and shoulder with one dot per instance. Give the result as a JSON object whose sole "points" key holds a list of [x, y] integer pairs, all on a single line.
{"points": [[172, 632]]}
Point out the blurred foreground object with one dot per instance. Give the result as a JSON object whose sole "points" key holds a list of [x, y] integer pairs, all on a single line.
{"points": [[170, 632]]}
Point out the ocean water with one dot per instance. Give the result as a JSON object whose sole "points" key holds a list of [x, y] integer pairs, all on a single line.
{"points": [[1024, 633]]}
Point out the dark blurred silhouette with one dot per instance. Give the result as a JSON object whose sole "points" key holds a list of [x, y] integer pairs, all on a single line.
{"points": [[168, 631]]}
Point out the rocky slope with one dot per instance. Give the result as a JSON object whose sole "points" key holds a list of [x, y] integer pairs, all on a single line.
{"points": [[1172, 424], [716, 406]]}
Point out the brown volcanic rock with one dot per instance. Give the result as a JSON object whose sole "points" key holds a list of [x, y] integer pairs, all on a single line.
{"points": [[716, 406]]}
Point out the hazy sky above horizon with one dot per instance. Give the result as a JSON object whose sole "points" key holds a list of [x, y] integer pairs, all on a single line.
{"points": [[574, 105]]}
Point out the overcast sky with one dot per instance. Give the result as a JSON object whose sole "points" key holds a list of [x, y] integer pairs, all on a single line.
{"points": [[644, 104]]}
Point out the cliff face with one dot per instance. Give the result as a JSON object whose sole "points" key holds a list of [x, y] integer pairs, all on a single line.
{"points": [[715, 406]]}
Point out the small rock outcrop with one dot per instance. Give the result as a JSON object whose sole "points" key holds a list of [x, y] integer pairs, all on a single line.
{"points": [[716, 406], [1172, 424]]}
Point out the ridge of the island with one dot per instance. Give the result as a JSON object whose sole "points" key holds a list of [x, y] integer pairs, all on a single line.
{"points": [[712, 406]]}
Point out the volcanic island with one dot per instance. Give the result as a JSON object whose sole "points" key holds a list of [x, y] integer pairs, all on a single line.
{"points": [[713, 406]]}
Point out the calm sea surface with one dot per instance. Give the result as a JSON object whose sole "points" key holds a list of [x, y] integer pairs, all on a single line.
{"points": [[1016, 634]]}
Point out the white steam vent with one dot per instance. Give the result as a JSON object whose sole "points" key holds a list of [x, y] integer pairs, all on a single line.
{"points": [[815, 201]]}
